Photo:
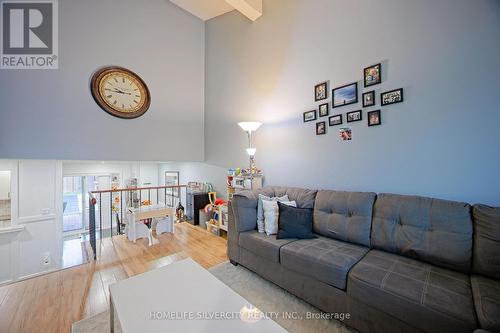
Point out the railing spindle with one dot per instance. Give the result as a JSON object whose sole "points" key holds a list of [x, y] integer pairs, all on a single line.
{"points": [[111, 212], [100, 215], [92, 241], [121, 213]]}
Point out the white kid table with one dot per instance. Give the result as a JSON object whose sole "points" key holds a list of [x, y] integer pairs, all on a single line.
{"points": [[135, 215]]}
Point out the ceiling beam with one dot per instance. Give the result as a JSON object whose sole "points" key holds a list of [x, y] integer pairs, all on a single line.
{"points": [[207, 9], [204, 9], [250, 8]]}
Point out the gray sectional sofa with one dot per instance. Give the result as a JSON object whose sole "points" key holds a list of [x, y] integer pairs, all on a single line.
{"points": [[395, 263]]}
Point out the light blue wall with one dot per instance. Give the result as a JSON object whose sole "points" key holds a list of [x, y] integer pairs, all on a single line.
{"points": [[443, 141], [51, 114]]}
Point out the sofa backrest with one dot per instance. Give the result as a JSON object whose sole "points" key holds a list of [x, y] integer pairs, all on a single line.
{"points": [[431, 230], [486, 259], [303, 197], [346, 216], [245, 203]]}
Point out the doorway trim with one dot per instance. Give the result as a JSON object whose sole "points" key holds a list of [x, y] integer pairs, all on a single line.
{"points": [[85, 204]]}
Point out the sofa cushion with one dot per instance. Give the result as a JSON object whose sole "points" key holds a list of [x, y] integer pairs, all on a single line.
{"points": [[303, 197], [431, 230], [427, 297], [260, 209], [486, 258], [327, 260], [295, 222], [265, 246], [271, 215], [487, 301], [346, 216]]}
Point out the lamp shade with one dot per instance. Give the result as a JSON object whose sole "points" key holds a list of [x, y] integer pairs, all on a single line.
{"points": [[249, 126], [251, 151]]}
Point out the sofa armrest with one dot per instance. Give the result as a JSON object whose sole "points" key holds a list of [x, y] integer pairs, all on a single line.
{"points": [[244, 207], [242, 217]]}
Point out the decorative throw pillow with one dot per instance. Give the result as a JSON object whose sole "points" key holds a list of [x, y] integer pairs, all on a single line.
{"points": [[260, 210], [271, 214], [294, 222]]}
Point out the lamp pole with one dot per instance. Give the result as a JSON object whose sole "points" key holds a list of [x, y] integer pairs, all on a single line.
{"points": [[250, 156]]}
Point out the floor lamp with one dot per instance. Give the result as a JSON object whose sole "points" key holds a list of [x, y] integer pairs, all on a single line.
{"points": [[249, 127]]}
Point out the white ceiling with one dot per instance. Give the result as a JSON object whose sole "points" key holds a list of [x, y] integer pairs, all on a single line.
{"points": [[207, 9]]}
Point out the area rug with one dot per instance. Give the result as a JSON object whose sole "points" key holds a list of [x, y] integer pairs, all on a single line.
{"points": [[263, 294]]}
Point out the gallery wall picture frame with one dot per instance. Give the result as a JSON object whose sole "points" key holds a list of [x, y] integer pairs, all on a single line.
{"points": [[323, 110], [321, 91], [309, 116], [321, 128], [345, 95], [354, 116], [374, 118], [368, 98], [345, 134], [391, 97], [335, 120], [372, 75]]}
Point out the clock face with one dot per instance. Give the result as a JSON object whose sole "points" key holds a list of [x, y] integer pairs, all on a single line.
{"points": [[120, 92]]}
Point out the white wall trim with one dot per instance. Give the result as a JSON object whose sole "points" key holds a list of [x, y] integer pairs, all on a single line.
{"points": [[83, 174], [24, 277], [36, 218], [6, 282], [11, 229]]}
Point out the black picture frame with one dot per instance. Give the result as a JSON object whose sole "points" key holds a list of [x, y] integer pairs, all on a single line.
{"points": [[383, 100], [363, 98], [321, 125], [318, 97], [354, 112], [339, 116], [338, 89], [366, 77], [378, 120], [324, 105], [312, 119]]}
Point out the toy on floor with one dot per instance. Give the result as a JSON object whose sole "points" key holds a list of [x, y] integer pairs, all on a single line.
{"points": [[212, 209]]}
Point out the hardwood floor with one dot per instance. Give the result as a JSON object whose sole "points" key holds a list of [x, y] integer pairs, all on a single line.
{"points": [[52, 302]]}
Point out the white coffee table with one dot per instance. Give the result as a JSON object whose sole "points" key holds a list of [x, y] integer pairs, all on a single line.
{"points": [[172, 299]]}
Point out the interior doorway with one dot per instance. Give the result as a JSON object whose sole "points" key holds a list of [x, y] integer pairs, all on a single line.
{"points": [[5, 200], [76, 215], [76, 202], [172, 194], [73, 205]]}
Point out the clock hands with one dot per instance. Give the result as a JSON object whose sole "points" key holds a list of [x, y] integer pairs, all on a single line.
{"points": [[118, 91], [114, 90]]}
